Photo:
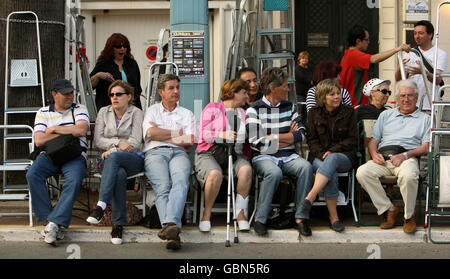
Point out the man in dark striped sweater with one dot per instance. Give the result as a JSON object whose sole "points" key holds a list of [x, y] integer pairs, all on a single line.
{"points": [[273, 128]]}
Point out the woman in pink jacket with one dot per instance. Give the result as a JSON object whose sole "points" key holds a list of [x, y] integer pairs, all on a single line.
{"points": [[211, 158]]}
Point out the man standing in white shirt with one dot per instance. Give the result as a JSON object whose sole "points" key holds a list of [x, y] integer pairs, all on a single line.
{"points": [[423, 35], [169, 133]]}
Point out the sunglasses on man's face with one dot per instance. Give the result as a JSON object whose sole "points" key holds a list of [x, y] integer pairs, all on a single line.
{"points": [[384, 91], [118, 94], [121, 46]]}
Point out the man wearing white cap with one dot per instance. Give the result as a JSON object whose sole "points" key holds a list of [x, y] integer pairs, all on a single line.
{"points": [[378, 92]]}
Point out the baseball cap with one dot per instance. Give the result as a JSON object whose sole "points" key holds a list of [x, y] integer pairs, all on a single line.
{"points": [[62, 86], [372, 83]]}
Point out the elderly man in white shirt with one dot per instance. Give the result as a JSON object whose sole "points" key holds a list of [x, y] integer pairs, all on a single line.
{"points": [[169, 133]]}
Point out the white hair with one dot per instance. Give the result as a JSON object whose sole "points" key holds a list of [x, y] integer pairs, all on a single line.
{"points": [[407, 83]]}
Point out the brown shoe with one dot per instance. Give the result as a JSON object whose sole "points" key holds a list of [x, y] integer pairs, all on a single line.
{"points": [[174, 244], [169, 232], [409, 225], [389, 221]]}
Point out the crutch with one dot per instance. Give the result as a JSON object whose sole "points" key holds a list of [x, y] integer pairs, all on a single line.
{"points": [[232, 118], [231, 195]]}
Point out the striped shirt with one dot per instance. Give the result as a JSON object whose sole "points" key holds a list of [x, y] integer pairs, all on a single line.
{"points": [[311, 98], [262, 119], [48, 117]]}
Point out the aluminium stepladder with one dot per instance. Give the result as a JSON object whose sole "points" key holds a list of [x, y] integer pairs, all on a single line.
{"points": [[425, 80], [76, 62], [438, 195], [24, 73], [275, 44]]}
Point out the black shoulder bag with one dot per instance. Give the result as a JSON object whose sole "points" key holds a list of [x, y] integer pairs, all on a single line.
{"points": [[429, 68], [61, 149]]}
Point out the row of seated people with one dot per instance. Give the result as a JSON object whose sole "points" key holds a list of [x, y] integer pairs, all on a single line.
{"points": [[270, 127]]}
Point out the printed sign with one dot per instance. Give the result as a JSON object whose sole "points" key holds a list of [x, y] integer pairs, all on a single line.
{"points": [[416, 10], [188, 52]]}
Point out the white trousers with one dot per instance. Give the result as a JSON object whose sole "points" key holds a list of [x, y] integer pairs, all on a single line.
{"points": [[369, 175]]}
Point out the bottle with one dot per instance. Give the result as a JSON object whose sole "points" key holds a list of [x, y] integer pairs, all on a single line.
{"points": [[187, 214]]}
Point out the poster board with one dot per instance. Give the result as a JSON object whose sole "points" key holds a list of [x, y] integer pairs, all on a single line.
{"points": [[189, 53]]}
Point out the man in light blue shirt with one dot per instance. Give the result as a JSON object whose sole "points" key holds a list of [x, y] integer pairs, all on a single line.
{"points": [[405, 126]]}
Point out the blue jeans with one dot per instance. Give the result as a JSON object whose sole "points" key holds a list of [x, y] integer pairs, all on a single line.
{"points": [[272, 175], [74, 171], [113, 188], [333, 163], [163, 165]]}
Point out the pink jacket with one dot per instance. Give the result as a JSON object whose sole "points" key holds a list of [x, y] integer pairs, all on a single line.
{"points": [[213, 121]]}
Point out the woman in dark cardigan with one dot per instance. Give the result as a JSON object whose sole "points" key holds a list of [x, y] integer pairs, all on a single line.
{"points": [[331, 137], [115, 62]]}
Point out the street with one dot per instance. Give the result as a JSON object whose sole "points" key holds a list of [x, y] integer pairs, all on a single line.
{"points": [[65, 250]]}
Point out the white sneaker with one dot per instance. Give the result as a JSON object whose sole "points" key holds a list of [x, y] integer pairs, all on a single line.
{"points": [[205, 226], [51, 233], [116, 235], [244, 225], [59, 235]]}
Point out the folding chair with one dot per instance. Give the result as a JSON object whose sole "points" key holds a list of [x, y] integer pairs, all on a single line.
{"points": [[286, 180], [193, 190], [438, 210], [343, 199], [141, 181]]}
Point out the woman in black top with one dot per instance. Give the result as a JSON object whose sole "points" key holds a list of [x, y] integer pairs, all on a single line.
{"points": [[378, 92], [115, 62], [303, 78]]}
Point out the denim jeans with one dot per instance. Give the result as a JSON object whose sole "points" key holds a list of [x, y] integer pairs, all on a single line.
{"points": [[163, 166], [113, 187], [333, 163], [272, 175], [74, 171]]}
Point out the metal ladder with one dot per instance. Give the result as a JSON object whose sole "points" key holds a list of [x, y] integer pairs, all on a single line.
{"points": [[24, 73], [240, 52], [424, 76], [151, 92], [76, 68], [268, 54], [439, 146]]}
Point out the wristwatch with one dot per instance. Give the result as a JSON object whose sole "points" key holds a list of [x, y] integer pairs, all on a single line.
{"points": [[406, 155]]}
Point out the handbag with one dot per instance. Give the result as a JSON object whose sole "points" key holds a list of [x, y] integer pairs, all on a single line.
{"points": [[220, 154], [63, 149], [390, 150]]}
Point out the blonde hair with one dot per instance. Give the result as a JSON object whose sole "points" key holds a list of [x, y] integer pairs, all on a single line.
{"points": [[323, 88], [301, 55]]}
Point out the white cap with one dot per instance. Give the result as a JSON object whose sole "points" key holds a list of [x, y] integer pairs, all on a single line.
{"points": [[372, 83]]}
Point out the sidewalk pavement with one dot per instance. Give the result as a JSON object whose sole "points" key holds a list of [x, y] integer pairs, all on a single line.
{"points": [[191, 234]]}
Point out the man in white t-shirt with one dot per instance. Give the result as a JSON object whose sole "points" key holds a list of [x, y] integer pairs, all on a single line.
{"points": [[423, 35]]}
